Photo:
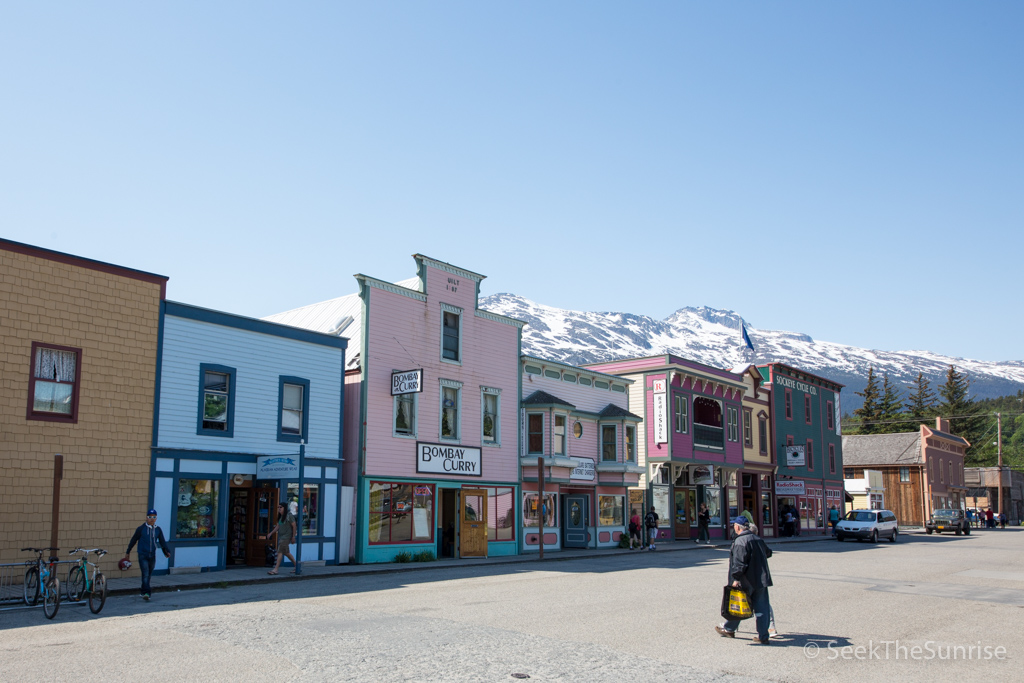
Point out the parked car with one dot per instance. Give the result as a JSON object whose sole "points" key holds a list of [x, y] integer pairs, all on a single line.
{"points": [[948, 520], [868, 524]]}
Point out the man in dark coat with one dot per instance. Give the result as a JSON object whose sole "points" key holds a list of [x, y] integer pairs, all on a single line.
{"points": [[748, 569], [148, 536]]}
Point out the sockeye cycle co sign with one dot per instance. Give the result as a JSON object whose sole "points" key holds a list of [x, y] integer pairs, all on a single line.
{"points": [[439, 458]]}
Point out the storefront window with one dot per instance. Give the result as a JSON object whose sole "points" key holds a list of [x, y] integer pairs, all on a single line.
{"points": [[609, 510], [531, 515], [197, 508], [713, 499], [662, 505], [401, 513], [501, 514], [310, 506], [734, 510]]}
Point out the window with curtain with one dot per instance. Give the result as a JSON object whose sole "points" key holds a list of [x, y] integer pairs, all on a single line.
{"points": [[490, 417], [608, 443], [54, 381], [405, 415]]}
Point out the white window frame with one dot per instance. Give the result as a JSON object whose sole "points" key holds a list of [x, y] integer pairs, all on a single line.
{"points": [[732, 423], [496, 393], [415, 416], [626, 442], [457, 386], [554, 433], [600, 441], [455, 310]]}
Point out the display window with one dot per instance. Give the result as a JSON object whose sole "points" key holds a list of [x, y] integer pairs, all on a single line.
{"points": [[197, 508], [401, 512], [531, 514], [501, 513], [610, 510], [713, 499], [661, 498], [310, 506]]}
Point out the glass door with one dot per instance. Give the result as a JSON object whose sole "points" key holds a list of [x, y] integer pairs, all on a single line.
{"points": [[263, 519]]}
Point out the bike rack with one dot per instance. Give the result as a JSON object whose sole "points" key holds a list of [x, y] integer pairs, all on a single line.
{"points": [[12, 577]]}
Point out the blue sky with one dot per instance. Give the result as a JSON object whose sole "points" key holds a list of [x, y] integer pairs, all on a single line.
{"points": [[847, 170]]}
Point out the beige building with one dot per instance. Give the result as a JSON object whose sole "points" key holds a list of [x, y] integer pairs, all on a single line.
{"points": [[78, 352]]}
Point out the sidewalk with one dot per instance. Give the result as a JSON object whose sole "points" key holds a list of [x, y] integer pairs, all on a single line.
{"points": [[252, 575]]}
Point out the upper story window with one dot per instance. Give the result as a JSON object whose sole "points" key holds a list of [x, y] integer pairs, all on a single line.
{"points": [[608, 443], [942, 475], [451, 397], [832, 458], [216, 400], [293, 397], [732, 415], [558, 444], [630, 443], [535, 434], [490, 415], [405, 414], [789, 404], [451, 337], [904, 474], [682, 414], [810, 454], [748, 428], [807, 408], [830, 415], [762, 434], [53, 383]]}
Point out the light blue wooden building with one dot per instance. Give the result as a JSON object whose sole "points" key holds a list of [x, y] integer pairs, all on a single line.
{"points": [[238, 401]]}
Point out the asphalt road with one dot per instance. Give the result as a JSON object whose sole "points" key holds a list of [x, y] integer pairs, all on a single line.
{"points": [[644, 617]]}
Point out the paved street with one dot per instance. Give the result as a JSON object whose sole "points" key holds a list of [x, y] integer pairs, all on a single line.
{"points": [[645, 616]]}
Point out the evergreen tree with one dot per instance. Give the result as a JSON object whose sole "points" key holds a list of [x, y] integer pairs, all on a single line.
{"points": [[921, 402], [958, 405], [890, 407], [869, 411]]}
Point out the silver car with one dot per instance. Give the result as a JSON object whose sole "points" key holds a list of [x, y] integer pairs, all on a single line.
{"points": [[868, 524]]}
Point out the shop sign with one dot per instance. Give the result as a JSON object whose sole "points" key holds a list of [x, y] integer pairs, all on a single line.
{"points": [[702, 475], [789, 488], [799, 386], [277, 467], [438, 458], [795, 456], [585, 469], [660, 411], [407, 382]]}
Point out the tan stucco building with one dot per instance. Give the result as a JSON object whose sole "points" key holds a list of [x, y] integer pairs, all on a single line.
{"points": [[78, 352]]}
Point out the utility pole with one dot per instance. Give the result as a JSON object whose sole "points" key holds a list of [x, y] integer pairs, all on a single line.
{"points": [[999, 452]]}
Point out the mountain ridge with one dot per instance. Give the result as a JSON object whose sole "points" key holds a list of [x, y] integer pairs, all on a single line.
{"points": [[716, 337]]}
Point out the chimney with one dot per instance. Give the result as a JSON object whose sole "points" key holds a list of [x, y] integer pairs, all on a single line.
{"points": [[942, 425]]}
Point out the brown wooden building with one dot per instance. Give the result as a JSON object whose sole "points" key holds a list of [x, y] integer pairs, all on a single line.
{"points": [[921, 471]]}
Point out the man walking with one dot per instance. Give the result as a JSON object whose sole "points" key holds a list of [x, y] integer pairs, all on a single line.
{"points": [[651, 523], [148, 536], [703, 521], [748, 569]]}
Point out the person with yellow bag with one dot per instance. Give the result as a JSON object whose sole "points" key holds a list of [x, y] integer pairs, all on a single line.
{"points": [[748, 572]]}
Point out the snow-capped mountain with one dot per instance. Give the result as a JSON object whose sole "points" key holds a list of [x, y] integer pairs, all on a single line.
{"points": [[716, 338]]}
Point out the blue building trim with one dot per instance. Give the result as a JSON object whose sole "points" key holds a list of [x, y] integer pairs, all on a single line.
{"points": [[239, 322], [304, 383], [201, 403]]}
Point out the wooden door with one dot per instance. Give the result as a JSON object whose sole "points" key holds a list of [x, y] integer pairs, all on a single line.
{"points": [[262, 520], [472, 523]]}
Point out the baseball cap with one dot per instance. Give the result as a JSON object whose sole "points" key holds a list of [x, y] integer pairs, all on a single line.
{"points": [[151, 513], [742, 521]]}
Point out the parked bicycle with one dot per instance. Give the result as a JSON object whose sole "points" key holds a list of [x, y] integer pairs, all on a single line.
{"points": [[41, 581], [81, 584]]}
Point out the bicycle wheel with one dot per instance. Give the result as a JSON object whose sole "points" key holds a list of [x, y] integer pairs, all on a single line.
{"points": [[75, 588], [98, 596], [51, 598], [31, 586]]}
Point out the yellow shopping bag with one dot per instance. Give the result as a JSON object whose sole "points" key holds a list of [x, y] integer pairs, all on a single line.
{"points": [[735, 604]]}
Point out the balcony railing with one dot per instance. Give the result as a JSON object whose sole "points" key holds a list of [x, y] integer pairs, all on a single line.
{"points": [[708, 436]]}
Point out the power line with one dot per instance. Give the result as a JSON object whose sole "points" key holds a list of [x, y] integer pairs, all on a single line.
{"points": [[918, 419]]}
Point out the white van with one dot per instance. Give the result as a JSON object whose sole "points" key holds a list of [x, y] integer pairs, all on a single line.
{"points": [[869, 524]]}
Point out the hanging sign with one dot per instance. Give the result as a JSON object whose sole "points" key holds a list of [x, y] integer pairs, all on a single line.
{"points": [[660, 411], [585, 469], [439, 458], [794, 456], [839, 417], [407, 382], [277, 467], [789, 488], [702, 475]]}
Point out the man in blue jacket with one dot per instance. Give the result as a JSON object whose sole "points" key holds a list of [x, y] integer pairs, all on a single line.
{"points": [[148, 536], [748, 569]]}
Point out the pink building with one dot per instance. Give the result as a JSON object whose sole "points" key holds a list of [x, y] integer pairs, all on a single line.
{"points": [[576, 420], [431, 414]]}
